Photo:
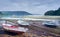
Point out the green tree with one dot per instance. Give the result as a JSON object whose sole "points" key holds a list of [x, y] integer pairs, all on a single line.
{"points": [[49, 13]]}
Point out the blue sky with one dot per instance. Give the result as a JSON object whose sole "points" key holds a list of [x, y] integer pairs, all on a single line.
{"points": [[31, 6]]}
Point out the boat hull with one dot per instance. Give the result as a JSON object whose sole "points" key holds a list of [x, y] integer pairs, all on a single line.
{"points": [[13, 31]]}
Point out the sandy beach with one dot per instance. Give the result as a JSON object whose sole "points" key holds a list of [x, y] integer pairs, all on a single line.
{"points": [[32, 32]]}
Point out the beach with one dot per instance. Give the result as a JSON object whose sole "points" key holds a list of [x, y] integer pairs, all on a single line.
{"points": [[32, 32]]}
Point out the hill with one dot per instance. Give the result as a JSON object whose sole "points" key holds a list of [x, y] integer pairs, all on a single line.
{"points": [[15, 13], [53, 12]]}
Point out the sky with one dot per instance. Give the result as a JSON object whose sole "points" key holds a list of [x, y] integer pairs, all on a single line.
{"points": [[31, 6]]}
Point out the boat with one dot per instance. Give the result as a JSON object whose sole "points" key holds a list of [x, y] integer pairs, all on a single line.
{"points": [[14, 28]]}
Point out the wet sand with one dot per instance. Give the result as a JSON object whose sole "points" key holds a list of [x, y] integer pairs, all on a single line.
{"points": [[32, 32]]}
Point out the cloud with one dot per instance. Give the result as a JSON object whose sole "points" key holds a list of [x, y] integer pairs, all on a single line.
{"points": [[32, 6]]}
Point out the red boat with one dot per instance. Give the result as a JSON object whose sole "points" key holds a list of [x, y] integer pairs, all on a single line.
{"points": [[14, 28]]}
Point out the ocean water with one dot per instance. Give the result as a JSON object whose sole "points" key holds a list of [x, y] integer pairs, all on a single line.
{"points": [[19, 15]]}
